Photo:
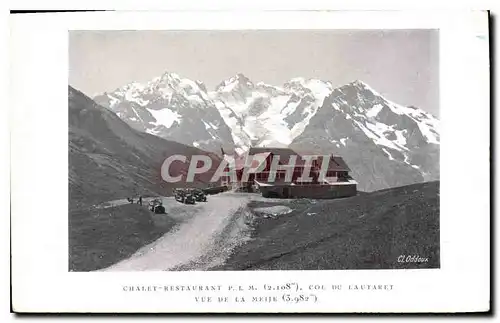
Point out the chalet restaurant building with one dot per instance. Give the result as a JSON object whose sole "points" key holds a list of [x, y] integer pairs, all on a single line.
{"points": [[338, 183]]}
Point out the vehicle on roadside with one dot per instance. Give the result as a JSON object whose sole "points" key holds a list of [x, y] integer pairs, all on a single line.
{"points": [[156, 206], [184, 196], [199, 195], [215, 190]]}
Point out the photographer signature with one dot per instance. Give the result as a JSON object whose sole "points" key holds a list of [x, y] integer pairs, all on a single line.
{"points": [[411, 259]]}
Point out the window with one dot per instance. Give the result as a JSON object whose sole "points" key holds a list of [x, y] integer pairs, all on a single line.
{"points": [[331, 173]]}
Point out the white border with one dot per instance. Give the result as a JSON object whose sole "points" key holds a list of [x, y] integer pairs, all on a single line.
{"points": [[39, 172], [256, 5]]}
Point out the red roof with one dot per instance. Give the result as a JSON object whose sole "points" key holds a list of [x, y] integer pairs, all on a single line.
{"points": [[284, 153], [336, 163]]}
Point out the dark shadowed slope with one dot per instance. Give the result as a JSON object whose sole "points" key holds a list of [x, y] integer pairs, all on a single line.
{"points": [[110, 160], [102, 237], [369, 231]]}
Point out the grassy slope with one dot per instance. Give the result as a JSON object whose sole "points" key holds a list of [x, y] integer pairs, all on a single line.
{"points": [[101, 237], [109, 160], [362, 232]]}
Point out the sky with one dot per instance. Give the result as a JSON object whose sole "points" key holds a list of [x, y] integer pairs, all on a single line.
{"points": [[402, 65]]}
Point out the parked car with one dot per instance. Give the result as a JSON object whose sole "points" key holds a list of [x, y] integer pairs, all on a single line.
{"points": [[199, 195], [156, 206], [184, 196], [215, 190]]}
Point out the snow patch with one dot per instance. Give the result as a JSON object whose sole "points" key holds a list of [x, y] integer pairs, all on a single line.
{"points": [[133, 96], [424, 121], [407, 161], [228, 85], [113, 101], [152, 131], [388, 154], [138, 116], [380, 129], [374, 110], [427, 133], [290, 108], [165, 117], [319, 88], [375, 132], [400, 137]]}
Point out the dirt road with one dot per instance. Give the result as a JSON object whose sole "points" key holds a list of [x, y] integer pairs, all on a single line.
{"points": [[204, 238]]}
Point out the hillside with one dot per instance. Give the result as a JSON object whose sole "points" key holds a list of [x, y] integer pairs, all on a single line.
{"points": [[369, 231], [101, 237], [109, 160]]}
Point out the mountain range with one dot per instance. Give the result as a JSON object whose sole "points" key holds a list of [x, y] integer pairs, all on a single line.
{"points": [[384, 143], [110, 160]]}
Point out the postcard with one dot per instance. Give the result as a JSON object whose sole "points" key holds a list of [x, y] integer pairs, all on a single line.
{"points": [[278, 162]]}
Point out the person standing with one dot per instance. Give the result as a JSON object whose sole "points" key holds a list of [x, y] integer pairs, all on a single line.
{"points": [[140, 200]]}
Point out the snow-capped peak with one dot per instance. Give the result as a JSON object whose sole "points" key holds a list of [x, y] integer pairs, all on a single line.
{"points": [[302, 112], [427, 123], [376, 115], [164, 86], [172, 107], [264, 114], [239, 80], [320, 89], [262, 84], [360, 84], [133, 86]]}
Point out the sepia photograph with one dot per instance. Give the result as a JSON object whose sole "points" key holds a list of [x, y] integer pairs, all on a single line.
{"points": [[233, 150]]}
